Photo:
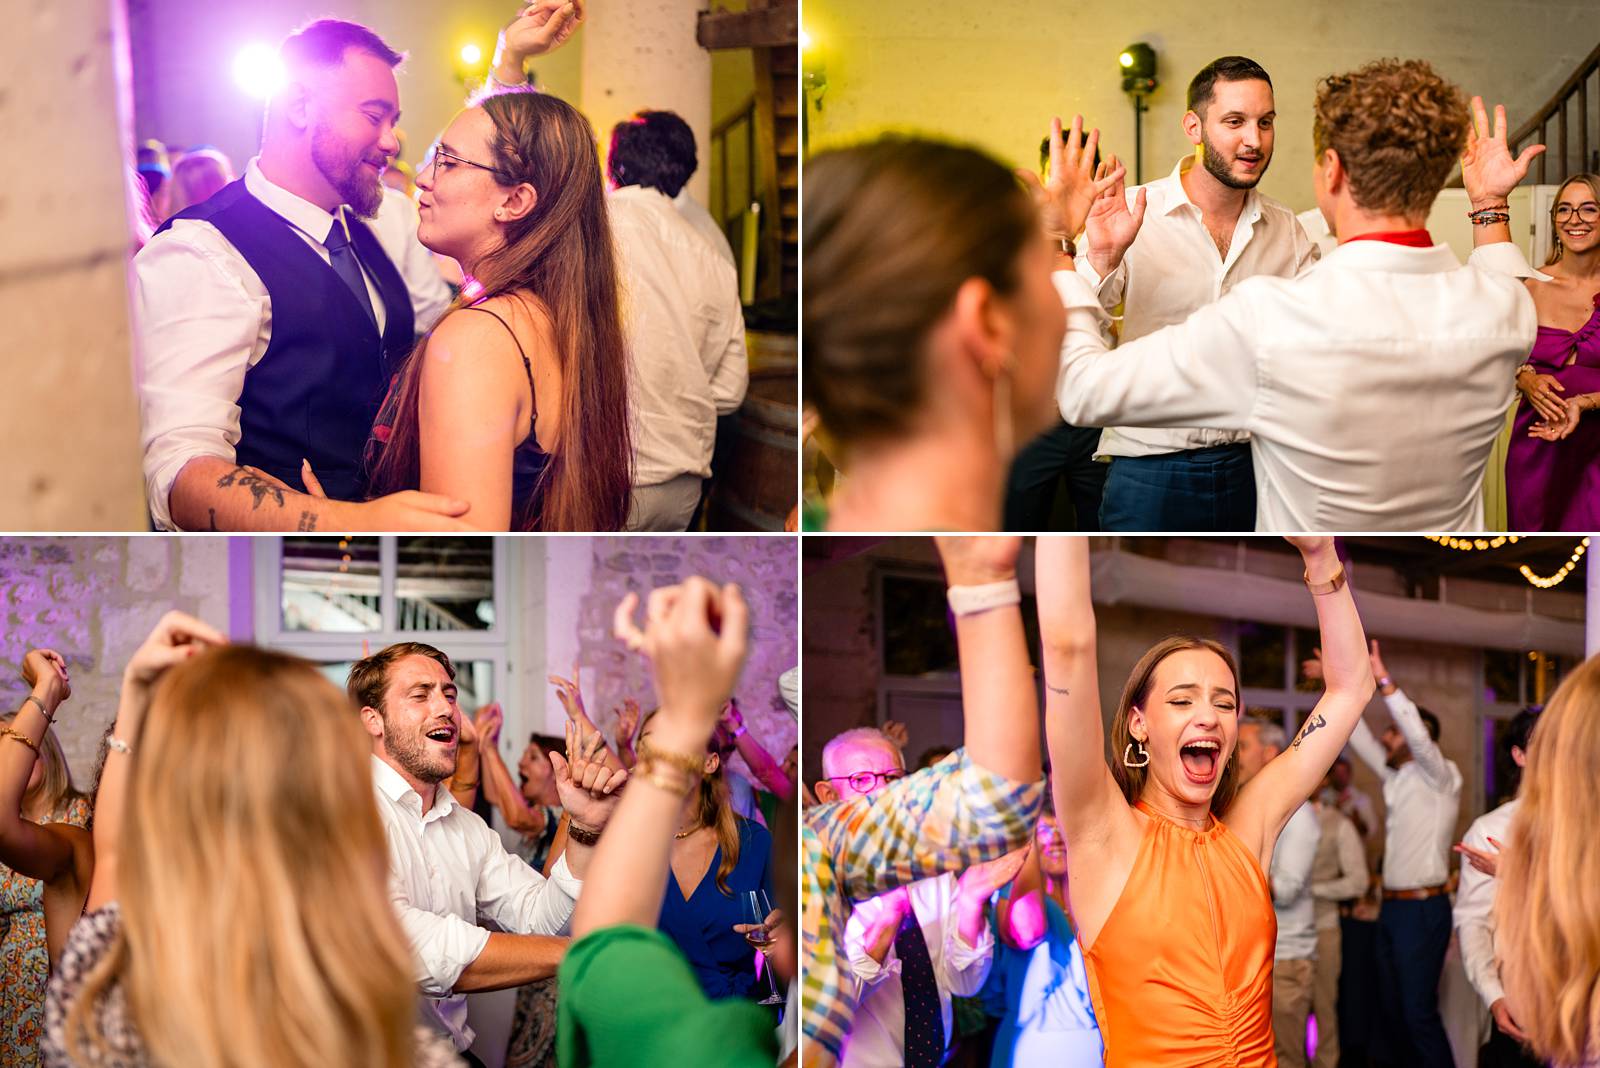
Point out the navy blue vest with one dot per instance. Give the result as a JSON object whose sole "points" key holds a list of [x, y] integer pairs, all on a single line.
{"points": [[314, 392]]}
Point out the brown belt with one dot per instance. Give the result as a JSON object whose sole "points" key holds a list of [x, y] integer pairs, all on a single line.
{"points": [[1422, 893]]}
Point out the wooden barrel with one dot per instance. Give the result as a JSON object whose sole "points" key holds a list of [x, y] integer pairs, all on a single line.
{"points": [[757, 476]]}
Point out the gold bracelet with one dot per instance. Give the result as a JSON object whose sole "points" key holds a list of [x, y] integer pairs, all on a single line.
{"points": [[694, 766], [466, 784], [1333, 585], [9, 732], [670, 778]]}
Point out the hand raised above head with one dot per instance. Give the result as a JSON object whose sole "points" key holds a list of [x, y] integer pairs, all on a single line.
{"points": [[977, 560], [1065, 199], [173, 640], [696, 636], [1488, 170]]}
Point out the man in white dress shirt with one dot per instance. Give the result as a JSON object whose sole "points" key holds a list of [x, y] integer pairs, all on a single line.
{"points": [[1421, 796], [684, 321], [942, 921], [269, 319], [449, 872], [1260, 740], [1206, 229], [1375, 384], [1474, 913]]}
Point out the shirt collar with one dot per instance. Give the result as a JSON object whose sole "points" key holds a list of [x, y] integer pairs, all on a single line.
{"points": [[393, 785], [1174, 196], [1396, 259], [300, 212], [640, 192]]}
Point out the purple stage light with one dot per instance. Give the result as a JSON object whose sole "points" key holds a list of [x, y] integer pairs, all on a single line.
{"points": [[257, 70]]}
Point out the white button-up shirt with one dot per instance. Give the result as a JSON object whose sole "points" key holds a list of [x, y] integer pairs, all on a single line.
{"points": [[448, 870], [685, 329], [1374, 385], [1474, 907], [878, 1039], [704, 225], [1422, 797], [1292, 860], [1173, 269], [202, 318]]}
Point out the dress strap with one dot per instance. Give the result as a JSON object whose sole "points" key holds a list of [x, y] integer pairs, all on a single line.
{"points": [[527, 366]]}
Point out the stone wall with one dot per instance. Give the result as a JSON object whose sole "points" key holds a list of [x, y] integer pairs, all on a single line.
{"points": [[765, 569], [94, 600]]}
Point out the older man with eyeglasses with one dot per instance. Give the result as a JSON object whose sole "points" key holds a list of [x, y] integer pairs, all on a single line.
{"points": [[915, 947]]}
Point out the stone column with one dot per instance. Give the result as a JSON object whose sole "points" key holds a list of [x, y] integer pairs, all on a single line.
{"points": [[642, 54], [69, 432]]}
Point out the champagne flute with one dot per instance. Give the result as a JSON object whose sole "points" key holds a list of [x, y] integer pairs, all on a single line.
{"points": [[756, 908]]}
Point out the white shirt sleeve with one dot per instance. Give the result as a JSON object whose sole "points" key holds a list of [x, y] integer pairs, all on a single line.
{"points": [[965, 967], [195, 328], [1293, 857], [1504, 257], [1201, 372], [1352, 880], [1109, 288], [727, 363], [1370, 750], [516, 897], [441, 945], [864, 920], [1424, 750], [1474, 919]]}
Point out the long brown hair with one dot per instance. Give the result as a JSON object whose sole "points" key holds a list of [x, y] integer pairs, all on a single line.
{"points": [[713, 809], [1590, 180], [1547, 907], [561, 255], [253, 876], [1137, 692]]}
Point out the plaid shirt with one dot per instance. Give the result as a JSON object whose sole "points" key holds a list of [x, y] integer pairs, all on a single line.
{"points": [[943, 819]]}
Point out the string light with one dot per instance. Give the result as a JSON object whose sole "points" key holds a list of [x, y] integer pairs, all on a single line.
{"points": [[1450, 541], [1561, 573]]}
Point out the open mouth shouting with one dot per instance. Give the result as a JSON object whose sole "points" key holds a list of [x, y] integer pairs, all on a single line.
{"points": [[444, 734], [1202, 759]]}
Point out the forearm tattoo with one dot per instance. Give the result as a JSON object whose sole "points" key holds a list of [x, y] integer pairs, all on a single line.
{"points": [[259, 488], [1062, 690], [1316, 722], [308, 521]]}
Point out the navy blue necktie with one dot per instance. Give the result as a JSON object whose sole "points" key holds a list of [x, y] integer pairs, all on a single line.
{"points": [[924, 1030], [345, 264]]}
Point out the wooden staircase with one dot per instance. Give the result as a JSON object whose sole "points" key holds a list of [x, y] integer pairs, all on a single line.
{"points": [[771, 30], [1573, 116]]}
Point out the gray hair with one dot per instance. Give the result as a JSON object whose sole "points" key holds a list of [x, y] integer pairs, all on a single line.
{"points": [[1269, 731], [836, 746]]}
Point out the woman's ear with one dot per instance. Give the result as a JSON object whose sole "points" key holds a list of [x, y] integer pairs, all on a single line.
{"points": [[984, 326], [713, 762], [518, 204], [1137, 727]]}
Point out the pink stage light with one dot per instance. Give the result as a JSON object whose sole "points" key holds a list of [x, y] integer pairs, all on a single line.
{"points": [[257, 70]]}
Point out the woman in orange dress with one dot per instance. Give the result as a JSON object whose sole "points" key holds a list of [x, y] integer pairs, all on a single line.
{"points": [[1166, 853]]}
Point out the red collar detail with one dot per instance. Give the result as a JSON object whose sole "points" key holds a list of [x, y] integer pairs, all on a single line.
{"points": [[1413, 238]]}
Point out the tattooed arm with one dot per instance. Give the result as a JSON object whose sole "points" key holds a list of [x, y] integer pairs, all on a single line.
{"points": [[216, 494], [1268, 800]]}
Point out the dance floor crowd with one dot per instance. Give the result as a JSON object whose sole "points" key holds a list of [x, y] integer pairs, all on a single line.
{"points": [[1203, 897]]}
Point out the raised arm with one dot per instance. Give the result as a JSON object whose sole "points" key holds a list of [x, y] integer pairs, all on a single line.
{"points": [[1267, 801], [37, 851], [767, 770], [1408, 720], [1489, 171], [1087, 797], [539, 28], [998, 700], [175, 638]]}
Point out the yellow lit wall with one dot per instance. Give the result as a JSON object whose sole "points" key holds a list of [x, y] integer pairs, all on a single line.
{"points": [[993, 74]]}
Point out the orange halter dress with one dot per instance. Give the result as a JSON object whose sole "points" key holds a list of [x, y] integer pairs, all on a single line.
{"points": [[1181, 973]]}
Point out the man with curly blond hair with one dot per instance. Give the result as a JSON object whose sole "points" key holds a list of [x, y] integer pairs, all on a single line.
{"points": [[1375, 383]]}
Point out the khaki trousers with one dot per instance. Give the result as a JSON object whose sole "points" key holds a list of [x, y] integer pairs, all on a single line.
{"points": [[1325, 996], [1291, 1006]]}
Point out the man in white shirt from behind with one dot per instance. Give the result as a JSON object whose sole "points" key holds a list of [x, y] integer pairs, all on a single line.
{"points": [[1474, 913], [1260, 740], [1207, 228], [1375, 384], [684, 321], [449, 871], [950, 913], [1422, 797]]}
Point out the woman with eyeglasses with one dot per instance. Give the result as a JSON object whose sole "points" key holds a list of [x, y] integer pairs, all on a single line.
{"points": [[1552, 480], [517, 400]]}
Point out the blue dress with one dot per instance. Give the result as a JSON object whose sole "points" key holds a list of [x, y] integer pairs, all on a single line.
{"points": [[702, 925], [1042, 998]]}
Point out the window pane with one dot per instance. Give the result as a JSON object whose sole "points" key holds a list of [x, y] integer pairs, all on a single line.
{"points": [[1502, 672], [444, 583], [1306, 642], [1261, 656], [917, 637], [331, 584]]}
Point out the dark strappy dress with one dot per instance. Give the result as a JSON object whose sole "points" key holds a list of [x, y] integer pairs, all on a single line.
{"points": [[528, 463]]}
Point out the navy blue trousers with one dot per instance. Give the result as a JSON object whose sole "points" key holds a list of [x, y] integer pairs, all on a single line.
{"points": [[1412, 939], [1201, 489]]}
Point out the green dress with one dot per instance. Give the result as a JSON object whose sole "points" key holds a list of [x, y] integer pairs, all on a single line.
{"points": [[628, 998], [24, 958]]}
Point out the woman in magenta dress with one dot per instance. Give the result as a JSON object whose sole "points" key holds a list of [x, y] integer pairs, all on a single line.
{"points": [[1552, 478]]}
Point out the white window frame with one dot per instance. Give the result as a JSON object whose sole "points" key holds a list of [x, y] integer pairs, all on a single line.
{"points": [[494, 644]]}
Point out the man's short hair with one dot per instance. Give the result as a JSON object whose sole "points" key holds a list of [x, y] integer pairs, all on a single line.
{"points": [[1269, 732], [1431, 721], [1520, 732], [324, 42], [1202, 87], [654, 149], [855, 736], [1398, 128], [369, 677]]}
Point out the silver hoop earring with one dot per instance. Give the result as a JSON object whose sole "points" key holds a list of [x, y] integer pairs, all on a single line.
{"points": [[1127, 755]]}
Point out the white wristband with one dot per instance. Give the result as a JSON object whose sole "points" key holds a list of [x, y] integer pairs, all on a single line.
{"points": [[970, 600]]}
